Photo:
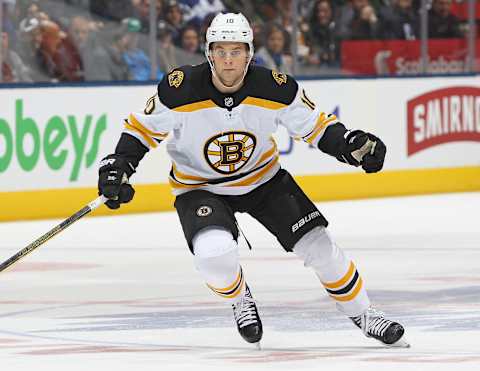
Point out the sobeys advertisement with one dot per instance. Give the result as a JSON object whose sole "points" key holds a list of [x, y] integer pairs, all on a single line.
{"points": [[54, 138], [63, 143]]}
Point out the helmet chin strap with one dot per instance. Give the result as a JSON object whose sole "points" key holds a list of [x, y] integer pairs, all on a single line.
{"points": [[214, 73]]}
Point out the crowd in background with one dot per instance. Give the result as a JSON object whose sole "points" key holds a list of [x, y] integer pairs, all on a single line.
{"points": [[108, 40]]}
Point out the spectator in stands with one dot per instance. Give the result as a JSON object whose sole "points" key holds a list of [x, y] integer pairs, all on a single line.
{"points": [[57, 54], [112, 9], [94, 56], [137, 60], [117, 67], [343, 17], [281, 13], [269, 10], [166, 48], [141, 11], [174, 18], [365, 24], [79, 4], [246, 7], [305, 8], [13, 68], [60, 11], [30, 39], [8, 21], [32, 11], [202, 31], [377, 4], [286, 21], [171, 56], [190, 39], [322, 36], [442, 24], [196, 10], [29, 44], [358, 21], [400, 21], [273, 55], [258, 32]]}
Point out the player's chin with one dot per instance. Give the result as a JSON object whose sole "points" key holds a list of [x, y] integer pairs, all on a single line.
{"points": [[232, 77], [229, 82]]}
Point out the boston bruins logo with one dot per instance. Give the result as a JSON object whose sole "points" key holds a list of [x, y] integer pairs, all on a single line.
{"points": [[204, 211], [280, 78], [175, 78], [228, 152]]}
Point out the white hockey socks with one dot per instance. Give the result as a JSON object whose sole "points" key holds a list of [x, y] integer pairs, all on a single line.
{"points": [[337, 273], [216, 259]]}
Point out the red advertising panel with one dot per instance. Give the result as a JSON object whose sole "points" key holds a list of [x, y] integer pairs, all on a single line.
{"points": [[460, 9], [402, 58], [442, 116]]}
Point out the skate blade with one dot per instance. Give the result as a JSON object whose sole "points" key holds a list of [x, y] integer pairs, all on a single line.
{"points": [[402, 343], [258, 346]]}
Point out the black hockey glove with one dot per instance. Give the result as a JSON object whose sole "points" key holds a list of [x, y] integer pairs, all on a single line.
{"points": [[113, 176], [364, 149]]}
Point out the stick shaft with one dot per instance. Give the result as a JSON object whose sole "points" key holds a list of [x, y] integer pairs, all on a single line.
{"points": [[53, 232]]}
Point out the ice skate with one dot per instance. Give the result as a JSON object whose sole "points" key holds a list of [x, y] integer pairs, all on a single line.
{"points": [[375, 325], [248, 321]]}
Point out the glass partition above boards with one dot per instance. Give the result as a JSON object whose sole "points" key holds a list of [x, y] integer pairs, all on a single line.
{"points": [[75, 41]]}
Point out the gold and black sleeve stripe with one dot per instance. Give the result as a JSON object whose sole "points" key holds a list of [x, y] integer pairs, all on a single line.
{"points": [[323, 121], [307, 101], [151, 137]]}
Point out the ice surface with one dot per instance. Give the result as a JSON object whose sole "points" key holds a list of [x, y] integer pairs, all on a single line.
{"points": [[120, 293]]}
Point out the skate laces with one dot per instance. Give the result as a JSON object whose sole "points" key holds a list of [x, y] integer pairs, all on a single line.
{"points": [[245, 311], [373, 322]]}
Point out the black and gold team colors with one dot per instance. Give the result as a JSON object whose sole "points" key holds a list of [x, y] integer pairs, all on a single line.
{"points": [[223, 142], [225, 160]]}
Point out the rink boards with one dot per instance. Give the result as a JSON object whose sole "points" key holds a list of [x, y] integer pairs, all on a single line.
{"points": [[52, 138]]}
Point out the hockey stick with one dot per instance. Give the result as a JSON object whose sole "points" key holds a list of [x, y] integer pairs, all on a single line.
{"points": [[54, 231]]}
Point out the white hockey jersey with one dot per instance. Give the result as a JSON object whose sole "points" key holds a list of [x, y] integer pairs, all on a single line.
{"points": [[223, 142]]}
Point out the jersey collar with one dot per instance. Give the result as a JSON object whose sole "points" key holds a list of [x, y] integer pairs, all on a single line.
{"points": [[227, 101]]}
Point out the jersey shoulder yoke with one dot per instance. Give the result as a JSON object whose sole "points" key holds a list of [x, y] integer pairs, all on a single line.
{"points": [[177, 88], [272, 85]]}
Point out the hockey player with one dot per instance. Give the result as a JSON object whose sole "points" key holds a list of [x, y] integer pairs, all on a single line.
{"points": [[219, 117]]}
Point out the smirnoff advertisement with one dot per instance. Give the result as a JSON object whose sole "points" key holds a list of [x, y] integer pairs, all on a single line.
{"points": [[444, 115]]}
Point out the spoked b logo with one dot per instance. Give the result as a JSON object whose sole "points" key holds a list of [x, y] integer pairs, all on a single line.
{"points": [[228, 152], [204, 211]]}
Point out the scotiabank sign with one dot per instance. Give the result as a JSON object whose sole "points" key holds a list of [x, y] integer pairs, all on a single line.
{"points": [[402, 58], [441, 116]]}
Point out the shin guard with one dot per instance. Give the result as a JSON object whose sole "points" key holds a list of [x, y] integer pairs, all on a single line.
{"points": [[216, 259], [335, 270]]}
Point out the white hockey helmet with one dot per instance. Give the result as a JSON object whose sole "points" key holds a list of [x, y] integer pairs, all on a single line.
{"points": [[229, 27]]}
